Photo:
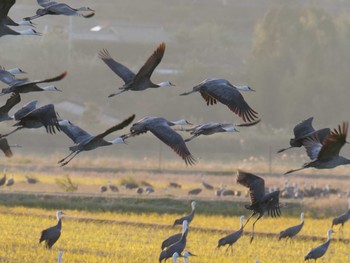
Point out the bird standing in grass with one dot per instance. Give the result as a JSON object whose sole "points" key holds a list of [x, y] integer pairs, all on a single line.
{"points": [[341, 220], [292, 231], [319, 251], [188, 217], [52, 234], [233, 237]]}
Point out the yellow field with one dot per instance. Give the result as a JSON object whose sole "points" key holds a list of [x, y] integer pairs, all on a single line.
{"points": [[124, 239]]}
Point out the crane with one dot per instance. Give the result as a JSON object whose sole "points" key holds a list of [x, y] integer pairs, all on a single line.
{"points": [[319, 251], [140, 80], [86, 142], [233, 237], [293, 230], [188, 217], [326, 155], [52, 234], [214, 90], [260, 202]]}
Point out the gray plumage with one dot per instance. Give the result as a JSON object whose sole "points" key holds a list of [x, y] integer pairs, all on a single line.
{"points": [[141, 80], [214, 90], [10, 103], [260, 202], [10, 181], [188, 217], [195, 191], [304, 130], [3, 178], [103, 188], [213, 127], [112, 187], [5, 6], [7, 77], [52, 234], [171, 240], [325, 155], [233, 237], [44, 116], [174, 185], [292, 231], [207, 186], [31, 180], [341, 220], [86, 142], [178, 246], [319, 251], [31, 86], [160, 127], [53, 8]]}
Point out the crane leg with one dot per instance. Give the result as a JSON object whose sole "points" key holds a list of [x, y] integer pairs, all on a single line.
{"points": [[7, 134], [62, 160], [252, 237], [66, 162], [249, 219]]}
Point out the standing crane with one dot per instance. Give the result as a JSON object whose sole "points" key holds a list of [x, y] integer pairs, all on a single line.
{"points": [[319, 251], [326, 155], [178, 246], [5, 6], [140, 80], [341, 219], [213, 127], [233, 237], [303, 130], [86, 142], [188, 217], [10, 181], [161, 128], [260, 202], [31, 86], [214, 90], [292, 231], [52, 234], [53, 8], [206, 185]]}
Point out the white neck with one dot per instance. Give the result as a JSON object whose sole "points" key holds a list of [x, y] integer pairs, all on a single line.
{"points": [[349, 203], [242, 219], [230, 128], [28, 32], [15, 71], [302, 217], [165, 84], [244, 88], [184, 227], [64, 123], [117, 140], [193, 205], [50, 88], [25, 22], [59, 257], [329, 234], [180, 122], [186, 260]]}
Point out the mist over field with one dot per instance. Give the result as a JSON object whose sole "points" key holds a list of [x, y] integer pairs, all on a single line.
{"points": [[295, 54]]}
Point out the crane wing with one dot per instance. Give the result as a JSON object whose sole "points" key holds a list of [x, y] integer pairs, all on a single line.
{"points": [[123, 72], [273, 207], [174, 141], [8, 78], [75, 133], [25, 109], [12, 101], [255, 184], [46, 3], [5, 6], [119, 126], [303, 128], [334, 142], [4, 146], [231, 97], [151, 63], [25, 83]]}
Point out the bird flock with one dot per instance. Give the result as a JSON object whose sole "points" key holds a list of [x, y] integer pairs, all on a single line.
{"points": [[322, 146]]}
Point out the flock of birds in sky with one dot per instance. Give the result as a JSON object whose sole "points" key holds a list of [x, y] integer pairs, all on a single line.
{"points": [[322, 146]]}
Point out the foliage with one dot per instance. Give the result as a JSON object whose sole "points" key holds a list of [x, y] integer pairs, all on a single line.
{"points": [[67, 184]]}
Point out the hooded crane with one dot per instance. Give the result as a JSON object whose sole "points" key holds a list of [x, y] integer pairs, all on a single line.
{"points": [[7, 76], [52, 234], [8, 21], [86, 142], [54, 8], [260, 202], [5, 6], [214, 90], [206, 185], [10, 103], [160, 127], [213, 127], [44, 116], [141, 80], [10, 181], [319, 251], [341, 219], [303, 130], [233, 237], [188, 217], [292, 231], [178, 246], [31, 86], [326, 155]]}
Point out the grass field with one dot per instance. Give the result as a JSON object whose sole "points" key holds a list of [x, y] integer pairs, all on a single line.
{"points": [[121, 237]]}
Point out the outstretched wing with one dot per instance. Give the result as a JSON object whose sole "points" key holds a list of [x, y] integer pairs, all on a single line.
{"points": [[46, 3], [174, 141], [255, 184], [119, 126], [5, 6], [56, 78], [334, 142], [273, 207], [123, 72], [12, 101], [75, 133], [151, 63], [25, 109], [303, 128]]}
